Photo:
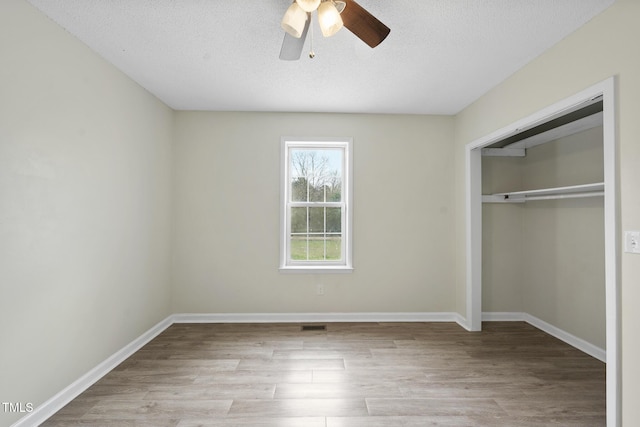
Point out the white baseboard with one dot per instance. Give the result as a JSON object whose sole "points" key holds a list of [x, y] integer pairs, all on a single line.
{"points": [[314, 317], [565, 336], [502, 317], [570, 339], [44, 411]]}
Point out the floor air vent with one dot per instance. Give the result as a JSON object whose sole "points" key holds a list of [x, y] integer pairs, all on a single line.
{"points": [[314, 327]]}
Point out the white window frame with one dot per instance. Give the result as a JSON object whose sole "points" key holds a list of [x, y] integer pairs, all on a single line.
{"points": [[316, 266]]}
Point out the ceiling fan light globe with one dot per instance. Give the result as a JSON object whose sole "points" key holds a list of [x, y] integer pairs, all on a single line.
{"points": [[293, 20], [329, 19], [308, 5]]}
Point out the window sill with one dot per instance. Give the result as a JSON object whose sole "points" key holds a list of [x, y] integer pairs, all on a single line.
{"points": [[316, 269]]}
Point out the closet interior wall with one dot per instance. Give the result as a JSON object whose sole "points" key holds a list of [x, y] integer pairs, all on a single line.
{"points": [[546, 257]]}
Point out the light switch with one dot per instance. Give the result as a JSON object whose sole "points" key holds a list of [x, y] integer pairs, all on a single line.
{"points": [[632, 242]]}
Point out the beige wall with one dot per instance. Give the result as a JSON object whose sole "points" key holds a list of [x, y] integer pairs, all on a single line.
{"points": [[84, 208], [563, 240], [227, 168], [502, 249], [604, 47]]}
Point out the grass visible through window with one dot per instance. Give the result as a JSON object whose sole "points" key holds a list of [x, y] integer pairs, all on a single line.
{"points": [[316, 246]]}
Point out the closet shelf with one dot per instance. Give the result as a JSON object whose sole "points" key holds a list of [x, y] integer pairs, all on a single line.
{"points": [[569, 192]]}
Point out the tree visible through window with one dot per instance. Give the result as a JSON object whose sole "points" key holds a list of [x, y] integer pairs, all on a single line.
{"points": [[315, 211], [316, 208]]}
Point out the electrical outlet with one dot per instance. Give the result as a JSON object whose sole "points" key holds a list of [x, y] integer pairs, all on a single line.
{"points": [[320, 289], [632, 242]]}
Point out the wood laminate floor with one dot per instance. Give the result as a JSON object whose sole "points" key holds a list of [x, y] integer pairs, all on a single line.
{"points": [[351, 375]]}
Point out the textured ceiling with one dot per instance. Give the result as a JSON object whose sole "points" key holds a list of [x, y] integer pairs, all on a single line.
{"points": [[218, 55]]}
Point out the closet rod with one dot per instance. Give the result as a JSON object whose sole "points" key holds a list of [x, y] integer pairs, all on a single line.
{"points": [[565, 196]]}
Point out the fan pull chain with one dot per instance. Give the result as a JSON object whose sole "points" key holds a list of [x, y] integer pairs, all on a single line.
{"points": [[312, 54]]}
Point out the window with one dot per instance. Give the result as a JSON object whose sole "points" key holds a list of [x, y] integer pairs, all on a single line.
{"points": [[316, 205]]}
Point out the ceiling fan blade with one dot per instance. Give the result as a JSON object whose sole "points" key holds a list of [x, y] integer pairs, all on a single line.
{"points": [[291, 46], [363, 24]]}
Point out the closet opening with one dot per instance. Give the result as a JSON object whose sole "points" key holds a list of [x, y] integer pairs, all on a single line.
{"points": [[541, 203]]}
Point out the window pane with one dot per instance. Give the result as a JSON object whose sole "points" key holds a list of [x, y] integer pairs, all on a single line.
{"points": [[316, 220], [334, 220], [313, 247], [334, 191], [316, 233], [334, 247], [299, 220], [298, 189], [316, 190], [299, 247], [316, 174]]}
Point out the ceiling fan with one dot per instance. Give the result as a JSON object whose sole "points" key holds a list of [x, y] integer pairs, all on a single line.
{"points": [[332, 16]]}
